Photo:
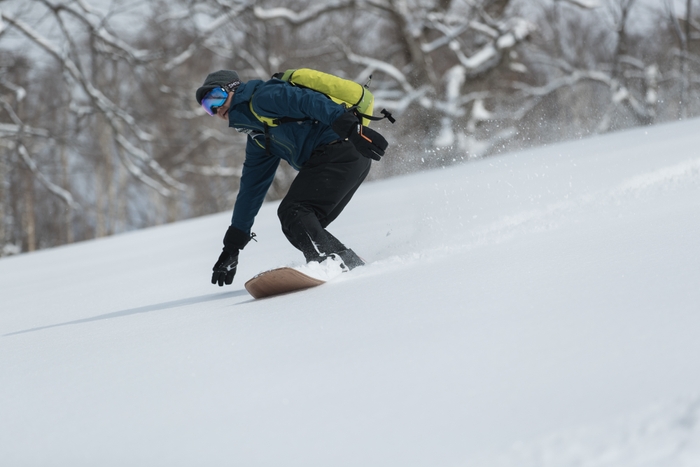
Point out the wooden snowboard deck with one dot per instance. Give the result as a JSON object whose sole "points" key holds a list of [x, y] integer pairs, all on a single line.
{"points": [[279, 281]]}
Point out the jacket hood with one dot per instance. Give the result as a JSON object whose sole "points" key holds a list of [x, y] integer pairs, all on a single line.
{"points": [[245, 91]]}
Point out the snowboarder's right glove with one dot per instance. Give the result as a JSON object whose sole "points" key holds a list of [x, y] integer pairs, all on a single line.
{"points": [[225, 267], [368, 142]]}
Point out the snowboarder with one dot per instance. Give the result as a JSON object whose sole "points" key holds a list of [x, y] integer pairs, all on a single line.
{"points": [[323, 143]]}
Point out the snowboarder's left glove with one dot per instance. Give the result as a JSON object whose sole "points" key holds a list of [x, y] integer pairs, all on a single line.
{"points": [[368, 142], [225, 268], [235, 239]]}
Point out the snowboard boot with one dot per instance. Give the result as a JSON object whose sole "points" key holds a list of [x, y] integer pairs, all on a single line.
{"points": [[343, 261], [350, 259]]}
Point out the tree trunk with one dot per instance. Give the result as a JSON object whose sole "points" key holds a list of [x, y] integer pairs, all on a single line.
{"points": [[424, 70], [3, 201], [67, 226], [29, 214], [685, 51]]}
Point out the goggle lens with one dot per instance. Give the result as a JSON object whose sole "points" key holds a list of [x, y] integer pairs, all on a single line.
{"points": [[214, 99]]}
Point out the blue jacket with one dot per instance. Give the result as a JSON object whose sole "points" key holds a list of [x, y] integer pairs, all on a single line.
{"points": [[292, 142]]}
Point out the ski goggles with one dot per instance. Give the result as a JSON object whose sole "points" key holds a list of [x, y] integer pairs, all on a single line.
{"points": [[214, 99]]}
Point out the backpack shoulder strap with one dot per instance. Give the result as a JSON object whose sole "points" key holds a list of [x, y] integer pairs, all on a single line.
{"points": [[267, 121], [273, 121]]}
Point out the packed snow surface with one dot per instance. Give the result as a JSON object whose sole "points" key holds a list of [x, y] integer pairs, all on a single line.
{"points": [[540, 308]]}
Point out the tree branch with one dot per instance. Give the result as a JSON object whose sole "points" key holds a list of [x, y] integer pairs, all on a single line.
{"points": [[109, 109], [307, 15]]}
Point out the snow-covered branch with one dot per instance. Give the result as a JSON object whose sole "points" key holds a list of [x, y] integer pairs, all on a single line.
{"points": [[102, 102], [20, 92], [207, 134], [231, 12], [586, 4], [384, 67], [141, 155], [212, 170], [619, 94], [19, 130], [308, 14], [450, 32], [113, 113], [8, 130], [491, 53], [96, 27], [62, 194], [562, 82], [194, 47]]}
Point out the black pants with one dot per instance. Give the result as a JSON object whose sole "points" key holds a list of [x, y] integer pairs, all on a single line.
{"points": [[318, 194]]}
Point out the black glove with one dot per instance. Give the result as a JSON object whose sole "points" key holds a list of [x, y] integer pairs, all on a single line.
{"points": [[235, 239], [225, 268], [368, 142]]}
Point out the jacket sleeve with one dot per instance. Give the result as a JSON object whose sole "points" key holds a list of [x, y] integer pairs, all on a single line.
{"points": [[280, 99], [257, 176]]}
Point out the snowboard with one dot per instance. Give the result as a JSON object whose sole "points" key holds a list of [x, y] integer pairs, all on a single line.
{"points": [[280, 281]]}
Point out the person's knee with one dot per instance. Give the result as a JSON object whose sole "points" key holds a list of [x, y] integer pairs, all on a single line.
{"points": [[282, 211], [286, 215], [290, 213]]}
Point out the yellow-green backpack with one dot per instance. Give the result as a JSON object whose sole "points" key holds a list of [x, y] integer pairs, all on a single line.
{"points": [[340, 90]]}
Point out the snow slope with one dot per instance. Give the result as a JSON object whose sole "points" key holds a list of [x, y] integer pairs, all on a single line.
{"points": [[536, 309]]}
